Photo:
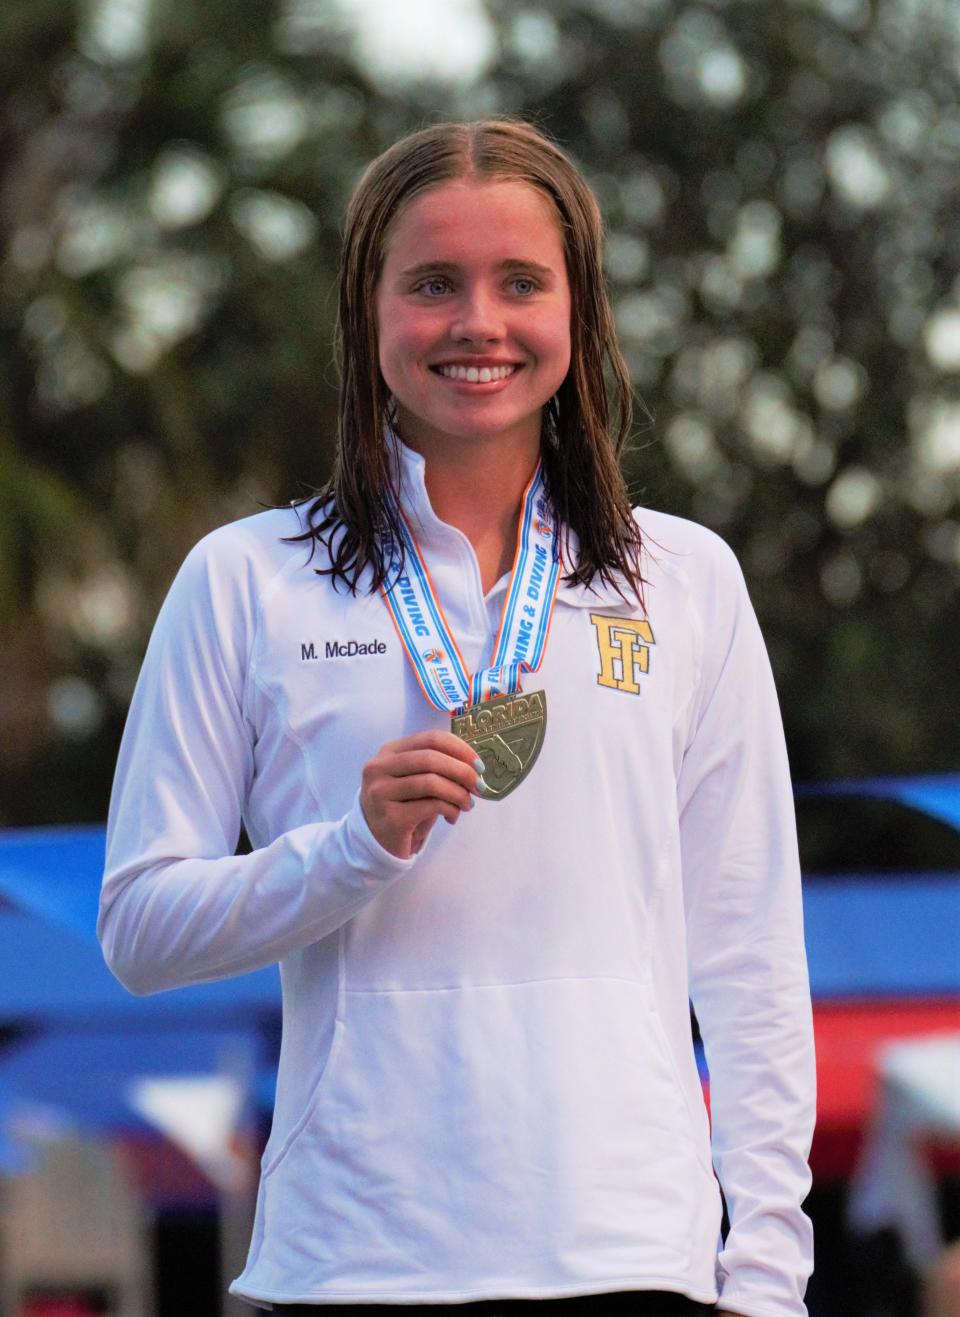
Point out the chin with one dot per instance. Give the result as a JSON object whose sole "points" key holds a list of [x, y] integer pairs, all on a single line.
{"points": [[462, 425]]}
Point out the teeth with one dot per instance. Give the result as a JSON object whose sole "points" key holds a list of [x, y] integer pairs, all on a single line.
{"points": [[476, 374]]}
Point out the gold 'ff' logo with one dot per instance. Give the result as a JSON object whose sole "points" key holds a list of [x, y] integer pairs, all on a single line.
{"points": [[624, 644]]}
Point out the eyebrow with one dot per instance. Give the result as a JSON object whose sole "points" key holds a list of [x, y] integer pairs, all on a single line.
{"points": [[451, 267]]}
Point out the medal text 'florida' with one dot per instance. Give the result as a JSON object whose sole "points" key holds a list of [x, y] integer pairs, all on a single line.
{"points": [[507, 733]]}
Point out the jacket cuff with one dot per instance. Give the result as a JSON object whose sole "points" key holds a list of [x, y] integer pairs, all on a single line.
{"points": [[365, 852]]}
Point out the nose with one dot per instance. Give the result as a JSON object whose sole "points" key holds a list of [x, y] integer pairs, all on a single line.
{"points": [[479, 319]]}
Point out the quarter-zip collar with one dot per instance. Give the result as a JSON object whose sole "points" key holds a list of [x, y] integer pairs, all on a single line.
{"points": [[411, 468], [434, 535], [448, 552]]}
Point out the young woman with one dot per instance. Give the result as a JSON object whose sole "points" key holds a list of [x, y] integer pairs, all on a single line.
{"points": [[511, 762]]}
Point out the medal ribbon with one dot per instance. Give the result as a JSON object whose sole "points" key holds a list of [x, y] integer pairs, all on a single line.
{"points": [[524, 624]]}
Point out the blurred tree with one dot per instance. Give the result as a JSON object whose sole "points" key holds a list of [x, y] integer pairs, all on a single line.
{"points": [[777, 179], [172, 180], [780, 183]]}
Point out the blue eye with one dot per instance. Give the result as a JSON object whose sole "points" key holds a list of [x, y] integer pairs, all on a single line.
{"points": [[524, 284], [434, 286]]}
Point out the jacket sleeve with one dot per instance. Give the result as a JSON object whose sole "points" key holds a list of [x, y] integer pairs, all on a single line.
{"points": [[177, 905], [747, 963]]}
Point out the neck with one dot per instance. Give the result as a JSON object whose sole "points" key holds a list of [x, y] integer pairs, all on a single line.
{"points": [[478, 488]]}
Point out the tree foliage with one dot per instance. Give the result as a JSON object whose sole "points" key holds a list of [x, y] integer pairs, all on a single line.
{"points": [[779, 182]]}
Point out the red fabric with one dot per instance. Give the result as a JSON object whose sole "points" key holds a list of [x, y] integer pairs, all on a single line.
{"points": [[849, 1035]]}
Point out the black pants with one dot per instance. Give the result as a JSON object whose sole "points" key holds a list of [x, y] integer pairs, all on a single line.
{"points": [[627, 1303]]}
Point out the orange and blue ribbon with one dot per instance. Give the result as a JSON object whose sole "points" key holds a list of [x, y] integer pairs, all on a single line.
{"points": [[524, 624]]}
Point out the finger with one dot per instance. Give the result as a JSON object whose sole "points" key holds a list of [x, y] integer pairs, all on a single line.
{"points": [[422, 831], [409, 762], [434, 739], [417, 834], [420, 834], [432, 787], [426, 812]]}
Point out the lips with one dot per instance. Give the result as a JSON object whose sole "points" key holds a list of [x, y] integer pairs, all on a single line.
{"points": [[485, 374]]}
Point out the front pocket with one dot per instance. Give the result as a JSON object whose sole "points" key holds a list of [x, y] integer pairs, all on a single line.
{"points": [[522, 1131], [324, 1082], [697, 1120]]}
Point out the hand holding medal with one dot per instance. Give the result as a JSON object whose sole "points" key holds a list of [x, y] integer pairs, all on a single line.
{"points": [[412, 782]]}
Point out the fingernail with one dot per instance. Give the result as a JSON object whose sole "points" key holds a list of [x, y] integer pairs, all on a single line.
{"points": [[481, 787], [479, 765], [470, 802]]}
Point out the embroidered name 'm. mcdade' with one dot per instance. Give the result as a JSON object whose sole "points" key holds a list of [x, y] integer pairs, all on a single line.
{"points": [[333, 649]]}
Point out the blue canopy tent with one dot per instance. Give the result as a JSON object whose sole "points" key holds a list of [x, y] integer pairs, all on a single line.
{"points": [[936, 794], [54, 972], [84, 1038], [56, 976], [54, 873], [103, 1063], [883, 937], [50, 881]]}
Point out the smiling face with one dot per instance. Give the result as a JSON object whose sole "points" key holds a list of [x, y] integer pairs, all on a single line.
{"points": [[473, 314]]}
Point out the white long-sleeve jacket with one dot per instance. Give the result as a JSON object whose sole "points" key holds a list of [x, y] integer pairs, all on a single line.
{"points": [[487, 1085]]}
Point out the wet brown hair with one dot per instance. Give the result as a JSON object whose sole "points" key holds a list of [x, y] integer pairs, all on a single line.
{"points": [[582, 436]]}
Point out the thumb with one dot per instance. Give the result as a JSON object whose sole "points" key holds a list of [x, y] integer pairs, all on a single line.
{"points": [[420, 834]]}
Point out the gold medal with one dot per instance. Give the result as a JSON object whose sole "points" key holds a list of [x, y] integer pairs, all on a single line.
{"points": [[506, 733]]}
